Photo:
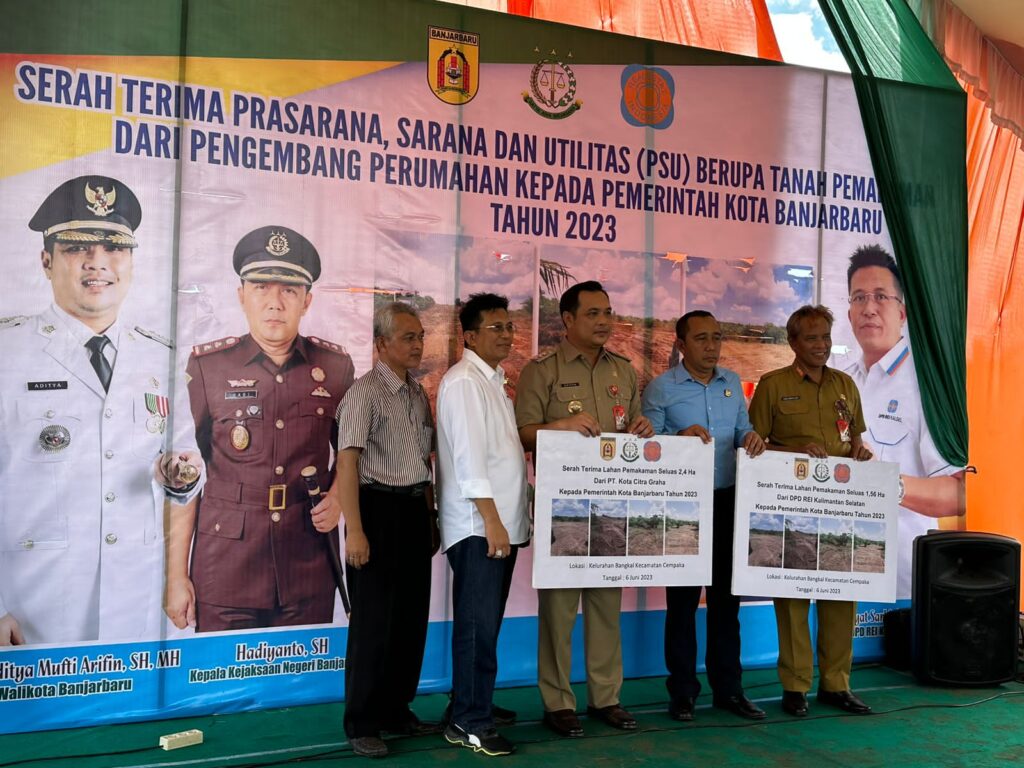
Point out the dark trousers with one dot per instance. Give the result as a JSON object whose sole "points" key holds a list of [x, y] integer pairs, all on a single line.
{"points": [[723, 625], [390, 598], [480, 590], [219, 618]]}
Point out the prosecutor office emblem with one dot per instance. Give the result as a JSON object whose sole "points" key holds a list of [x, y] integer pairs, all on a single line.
{"points": [[647, 96], [821, 472], [552, 91], [277, 244], [630, 451], [453, 64]]}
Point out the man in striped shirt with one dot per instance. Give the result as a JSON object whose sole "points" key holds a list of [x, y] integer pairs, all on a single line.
{"points": [[385, 436]]}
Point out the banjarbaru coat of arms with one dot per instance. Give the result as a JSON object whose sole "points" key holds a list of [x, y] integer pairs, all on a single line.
{"points": [[453, 64], [552, 91]]}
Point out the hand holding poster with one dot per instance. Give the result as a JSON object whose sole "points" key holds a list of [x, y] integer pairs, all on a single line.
{"points": [[620, 510], [815, 528]]}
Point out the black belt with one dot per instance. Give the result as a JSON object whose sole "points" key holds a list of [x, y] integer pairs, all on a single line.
{"points": [[402, 490]]}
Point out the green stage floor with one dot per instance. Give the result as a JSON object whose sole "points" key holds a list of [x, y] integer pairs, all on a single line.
{"points": [[913, 726]]}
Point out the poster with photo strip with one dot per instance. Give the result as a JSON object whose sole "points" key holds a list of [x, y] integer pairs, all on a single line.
{"points": [[824, 529], [622, 511]]}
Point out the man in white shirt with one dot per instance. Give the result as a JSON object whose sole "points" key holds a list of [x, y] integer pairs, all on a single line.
{"points": [[931, 487], [483, 517]]}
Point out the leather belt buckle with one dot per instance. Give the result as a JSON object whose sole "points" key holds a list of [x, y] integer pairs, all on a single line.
{"points": [[278, 497]]}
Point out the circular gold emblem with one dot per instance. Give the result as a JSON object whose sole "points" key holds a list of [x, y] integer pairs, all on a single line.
{"points": [[239, 437], [575, 406], [187, 473], [318, 374]]}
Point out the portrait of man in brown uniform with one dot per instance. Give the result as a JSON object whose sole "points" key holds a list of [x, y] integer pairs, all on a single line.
{"points": [[263, 405]]}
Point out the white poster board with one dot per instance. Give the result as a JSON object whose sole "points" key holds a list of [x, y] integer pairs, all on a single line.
{"points": [[816, 528], [618, 510]]}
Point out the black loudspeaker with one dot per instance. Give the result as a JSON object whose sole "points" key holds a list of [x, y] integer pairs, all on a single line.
{"points": [[964, 613]]}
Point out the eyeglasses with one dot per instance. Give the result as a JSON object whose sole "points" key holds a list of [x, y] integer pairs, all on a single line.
{"points": [[499, 327], [881, 299]]}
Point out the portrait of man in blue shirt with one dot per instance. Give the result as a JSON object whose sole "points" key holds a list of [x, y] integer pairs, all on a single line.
{"points": [[699, 399]]}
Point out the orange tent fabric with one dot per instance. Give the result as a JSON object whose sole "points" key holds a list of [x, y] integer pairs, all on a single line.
{"points": [[735, 26], [995, 314]]}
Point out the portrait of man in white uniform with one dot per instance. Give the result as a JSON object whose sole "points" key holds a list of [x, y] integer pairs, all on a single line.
{"points": [[95, 435], [931, 487]]}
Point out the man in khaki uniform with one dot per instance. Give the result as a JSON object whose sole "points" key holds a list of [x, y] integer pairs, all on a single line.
{"points": [[810, 408], [581, 386]]}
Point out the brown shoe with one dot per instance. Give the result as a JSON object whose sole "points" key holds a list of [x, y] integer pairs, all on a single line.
{"points": [[615, 716], [368, 746], [563, 722]]}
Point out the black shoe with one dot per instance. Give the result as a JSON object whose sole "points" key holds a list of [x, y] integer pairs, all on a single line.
{"points": [[413, 726], [368, 746], [844, 700], [499, 715], [502, 716], [794, 703], [741, 706], [682, 709], [563, 722], [615, 716], [490, 742]]}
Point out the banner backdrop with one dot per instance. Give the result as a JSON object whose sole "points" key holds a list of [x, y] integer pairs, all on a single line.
{"points": [[452, 152]]}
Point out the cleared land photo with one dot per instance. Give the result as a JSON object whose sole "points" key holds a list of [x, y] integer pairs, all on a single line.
{"points": [[869, 547], [800, 548], [765, 544], [570, 527], [607, 528], [646, 529]]}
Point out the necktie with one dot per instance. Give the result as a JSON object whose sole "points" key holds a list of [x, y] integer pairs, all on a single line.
{"points": [[99, 361]]}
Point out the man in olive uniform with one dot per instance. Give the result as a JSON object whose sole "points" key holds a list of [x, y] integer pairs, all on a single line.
{"points": [[583, 387], [810, 408], [264, 408], [94, 437]]}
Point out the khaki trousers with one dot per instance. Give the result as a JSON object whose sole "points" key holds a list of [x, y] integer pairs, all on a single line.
{"points": [[835, 644], [601, 640]]}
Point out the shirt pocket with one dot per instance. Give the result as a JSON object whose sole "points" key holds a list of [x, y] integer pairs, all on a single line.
{"points": [[888, 433], [799, 407], [28, 522], [559, 406], [46, 430], [240, 434], [223, 518], [317, 419]]}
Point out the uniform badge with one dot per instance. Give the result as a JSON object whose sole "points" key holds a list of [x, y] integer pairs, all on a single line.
{"points": [[241, 383], [320, 392], [253, 410], [613, 390], [620, 417], [48, 329], [607, 448], [277, 244], [893, 405], [453, 71], [154, 383], [843, 422], [575, 406], [100, 201], [552, 91], [54, 438], [317, 374], [159, 408], [728, 393], [239, 437]]}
